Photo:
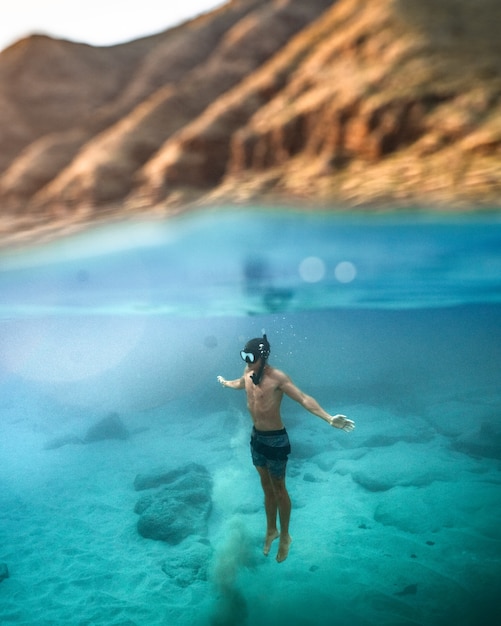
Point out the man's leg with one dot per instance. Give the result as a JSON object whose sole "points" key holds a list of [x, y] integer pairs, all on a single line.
{"points": [[270, 507], [284, 510]]}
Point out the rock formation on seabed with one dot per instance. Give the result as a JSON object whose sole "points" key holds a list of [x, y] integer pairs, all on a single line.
{"points": [[348, 103]]}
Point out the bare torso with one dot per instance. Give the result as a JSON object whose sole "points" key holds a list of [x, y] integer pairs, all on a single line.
{"points": [[263, 400]]}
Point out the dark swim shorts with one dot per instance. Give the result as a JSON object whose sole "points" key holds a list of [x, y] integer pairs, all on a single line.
{"points": [[270, 448]]}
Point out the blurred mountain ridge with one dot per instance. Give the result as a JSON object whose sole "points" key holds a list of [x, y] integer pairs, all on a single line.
{"points": [[388, 103]]}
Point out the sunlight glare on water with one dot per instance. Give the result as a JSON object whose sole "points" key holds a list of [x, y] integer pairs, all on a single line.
{"points": [[82, 307], [241, 263]]}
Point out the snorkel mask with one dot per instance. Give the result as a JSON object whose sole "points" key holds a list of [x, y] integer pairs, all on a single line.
{"points": [[256, 349]]}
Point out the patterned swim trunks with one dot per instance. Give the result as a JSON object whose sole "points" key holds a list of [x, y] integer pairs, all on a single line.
{"points": [[270, 449]]}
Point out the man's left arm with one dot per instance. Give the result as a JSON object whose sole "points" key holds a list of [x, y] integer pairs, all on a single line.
{"points": [[311, 405]]}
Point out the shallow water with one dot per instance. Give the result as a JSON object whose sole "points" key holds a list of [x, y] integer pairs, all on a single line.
{"points": [[392, 320]]}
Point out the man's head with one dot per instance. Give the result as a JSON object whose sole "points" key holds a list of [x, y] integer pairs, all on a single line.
{"points": [[255, 349]]}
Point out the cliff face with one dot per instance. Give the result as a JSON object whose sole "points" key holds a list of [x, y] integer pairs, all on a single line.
{"points": [[392, 102], [396, 102]]}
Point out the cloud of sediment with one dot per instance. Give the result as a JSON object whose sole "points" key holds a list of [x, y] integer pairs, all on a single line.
{"points": [[234, 554]]}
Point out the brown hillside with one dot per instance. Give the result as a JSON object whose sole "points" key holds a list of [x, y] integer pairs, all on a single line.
{"points": [[52, 85], [396, 102], [388, 102], [242, 38], [142, 67]]}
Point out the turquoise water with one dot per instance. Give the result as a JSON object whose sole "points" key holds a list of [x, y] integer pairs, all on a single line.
{"points": [[393, 320]]}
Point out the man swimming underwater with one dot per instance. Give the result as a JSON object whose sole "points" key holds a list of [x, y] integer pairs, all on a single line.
{"points": [[265, 387]]}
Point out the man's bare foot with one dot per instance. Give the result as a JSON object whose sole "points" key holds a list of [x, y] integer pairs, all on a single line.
{"points": [[283, 548], [268, 540]]}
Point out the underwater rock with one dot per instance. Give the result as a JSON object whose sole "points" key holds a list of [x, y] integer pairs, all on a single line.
{"points": [[110, 427], [311, 478], [386, 428], [4, 571], [187, 566], [61, 441], [466, 503], [485, 441], [162, 476], [410, 590], [178, 509], [402, 464]]}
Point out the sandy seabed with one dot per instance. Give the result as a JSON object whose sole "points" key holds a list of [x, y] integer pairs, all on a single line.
{"points": [[391, 523]]}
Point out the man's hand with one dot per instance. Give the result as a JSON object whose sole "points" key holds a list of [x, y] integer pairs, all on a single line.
{"points": [[221, 380], [342, 422]]}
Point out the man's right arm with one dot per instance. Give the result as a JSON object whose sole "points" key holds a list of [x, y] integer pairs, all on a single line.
{"points": [[311, 405], [238, 383]]}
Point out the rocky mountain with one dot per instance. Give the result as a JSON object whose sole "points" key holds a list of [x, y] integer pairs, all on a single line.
{"points": [[347, 103]]}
